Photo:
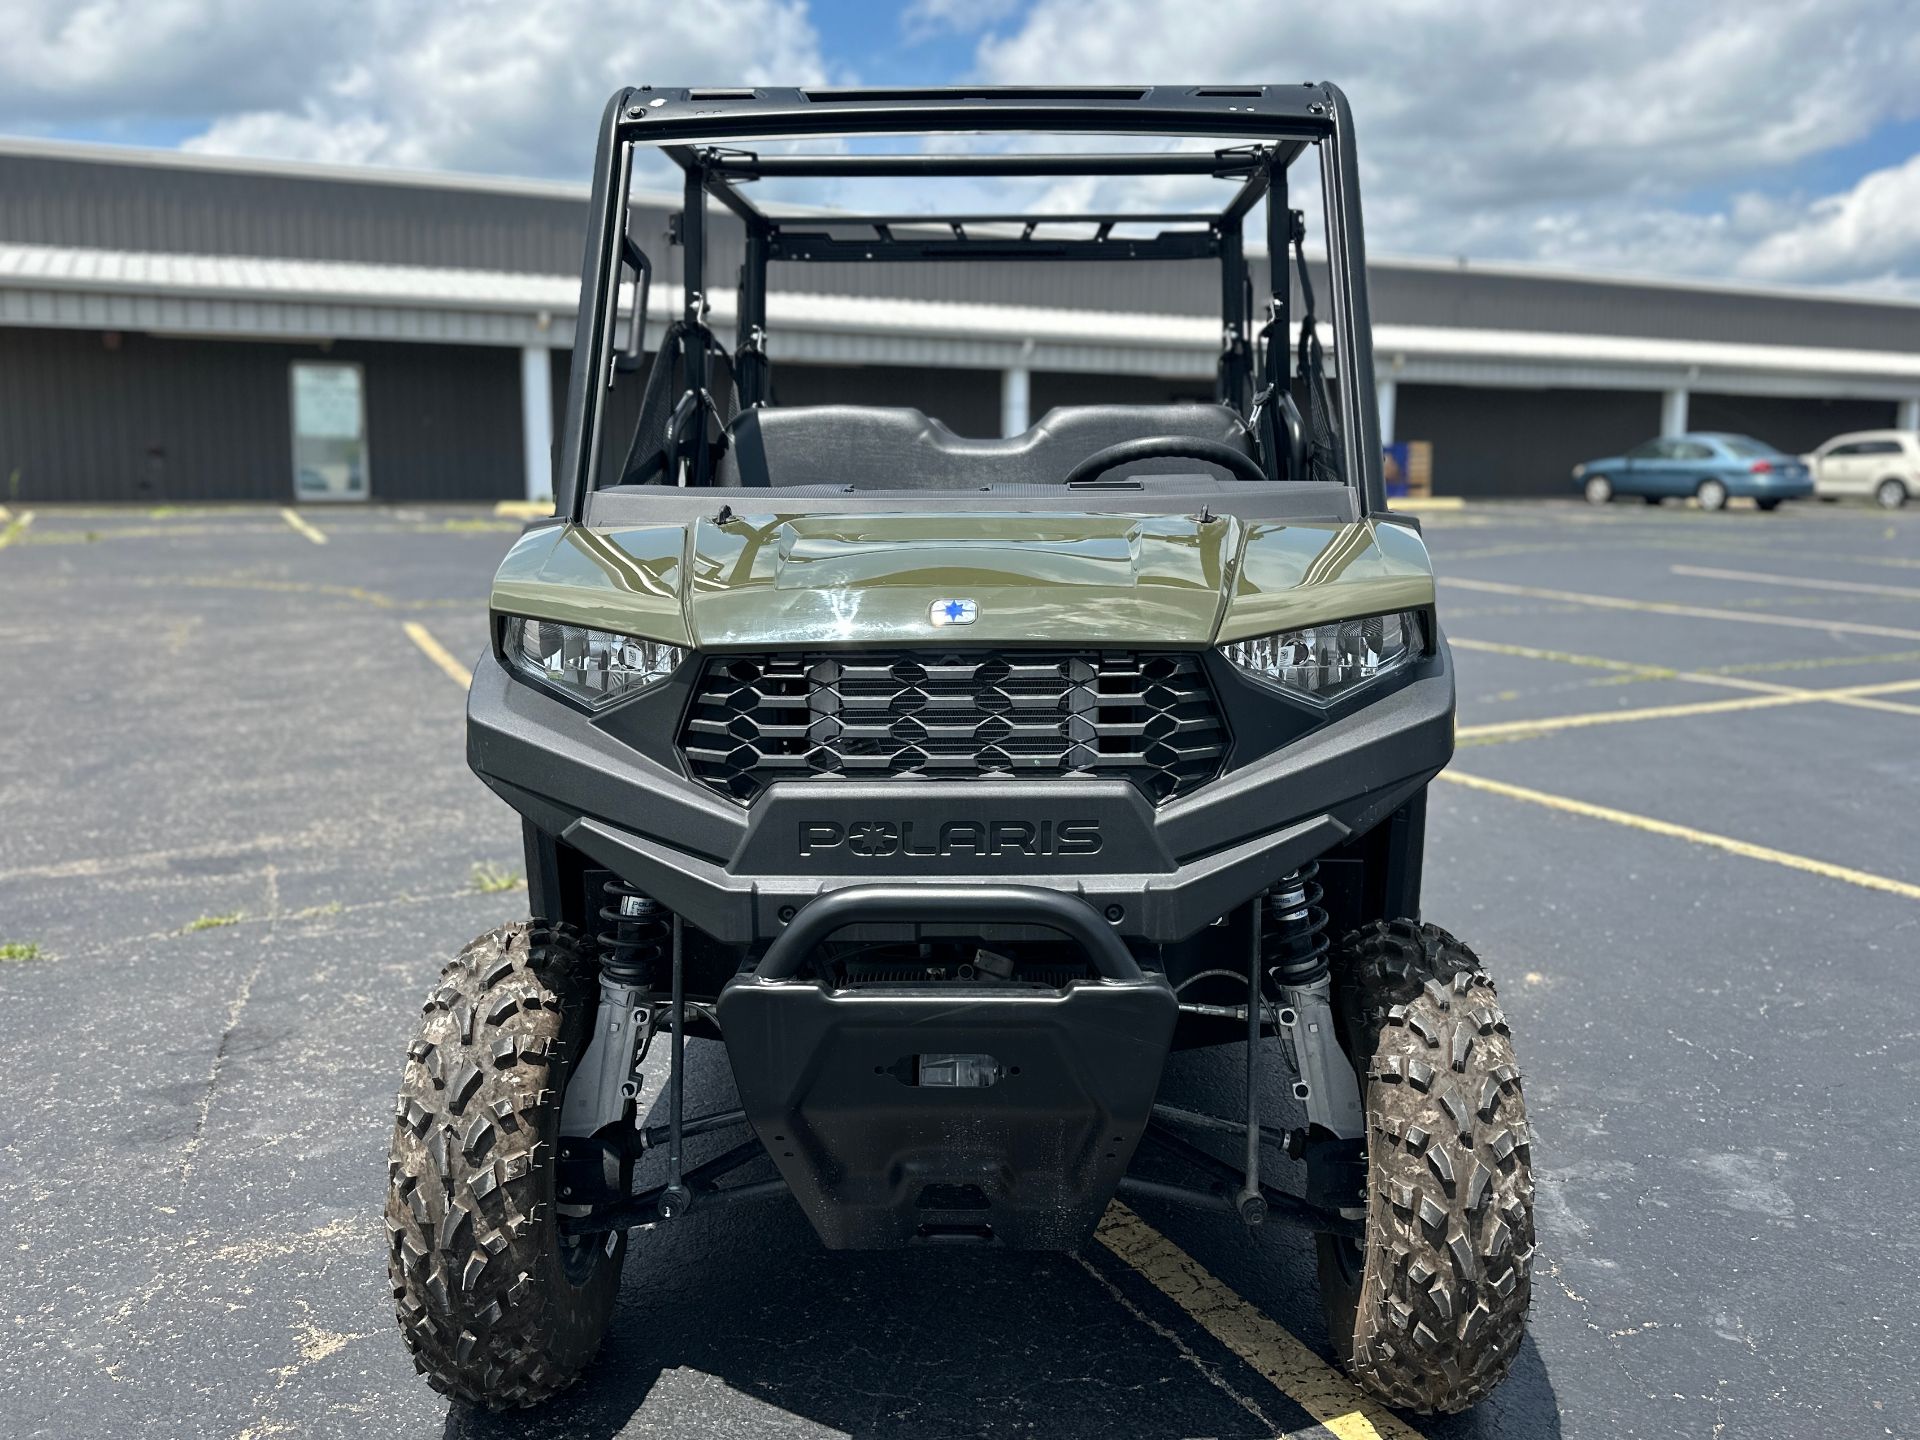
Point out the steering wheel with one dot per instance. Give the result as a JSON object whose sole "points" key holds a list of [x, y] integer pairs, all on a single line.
{"points": [[1168, 447]]}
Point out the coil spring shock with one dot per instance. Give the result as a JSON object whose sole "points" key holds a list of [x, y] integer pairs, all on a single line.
{"points": [[1293, 929], [634, 935]]}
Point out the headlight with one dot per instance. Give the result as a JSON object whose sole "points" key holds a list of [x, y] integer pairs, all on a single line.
{"points": [[595, 667], [1579, 471], [1324, 662]]}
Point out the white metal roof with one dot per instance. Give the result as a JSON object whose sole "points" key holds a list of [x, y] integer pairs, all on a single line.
{"points": [[283, 298]]}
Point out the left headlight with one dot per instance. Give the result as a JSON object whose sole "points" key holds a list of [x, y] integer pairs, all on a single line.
{"points": [[1322, 663], [594, 667]]}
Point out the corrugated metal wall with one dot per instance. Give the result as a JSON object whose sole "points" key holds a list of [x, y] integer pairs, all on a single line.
{"points": [[1792, 425], [126, 204], [1429, 295], [177, 209], [87, 416], [162, 418], [1519, 442]]}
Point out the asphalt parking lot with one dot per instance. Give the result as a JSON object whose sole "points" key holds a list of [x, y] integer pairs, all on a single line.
{"points": [[239, 836]]}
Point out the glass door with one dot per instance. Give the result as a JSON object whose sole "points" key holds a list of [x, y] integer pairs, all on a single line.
{"points": [[329, 431]]}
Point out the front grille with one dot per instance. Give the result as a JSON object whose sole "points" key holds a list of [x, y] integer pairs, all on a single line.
{"points": [[954, 715]]}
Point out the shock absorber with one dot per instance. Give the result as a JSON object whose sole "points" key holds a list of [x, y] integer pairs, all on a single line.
{"points": [[1293, 929], [1294, 956], [634, 937], [635, 931]]}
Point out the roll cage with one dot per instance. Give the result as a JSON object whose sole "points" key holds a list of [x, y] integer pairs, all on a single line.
{"points": [[1263, 129]]}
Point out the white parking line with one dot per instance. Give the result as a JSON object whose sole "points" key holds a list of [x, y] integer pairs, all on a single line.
{"points": [[1801, 582]]}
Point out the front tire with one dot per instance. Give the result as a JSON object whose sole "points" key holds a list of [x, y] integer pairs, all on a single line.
{"points": [[1429, 1312], [497, 1307], [1712, 495], [1599, 490], [1890, 494]]}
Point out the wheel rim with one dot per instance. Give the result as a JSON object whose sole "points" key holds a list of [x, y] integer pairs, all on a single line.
{"points": [[1713, 495], [1599, 490], [1892, 494]]}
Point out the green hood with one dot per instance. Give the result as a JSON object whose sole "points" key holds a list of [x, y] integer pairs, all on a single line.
{"points": [[767, 580]]}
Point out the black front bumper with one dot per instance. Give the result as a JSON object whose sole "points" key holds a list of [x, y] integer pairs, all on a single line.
{"points": [[1159, 873], [902, 1114]]}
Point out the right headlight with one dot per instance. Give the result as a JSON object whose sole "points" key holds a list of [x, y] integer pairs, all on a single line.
{"points": [[594, 667], [1322, 663]]}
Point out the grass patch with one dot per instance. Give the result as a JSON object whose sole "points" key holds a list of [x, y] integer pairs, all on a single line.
{"points": [[19, 950], [211, 922], [491, 879], [314, 912]]}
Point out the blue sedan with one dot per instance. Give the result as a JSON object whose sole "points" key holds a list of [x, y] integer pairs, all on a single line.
{"points": [[1708, 465]]}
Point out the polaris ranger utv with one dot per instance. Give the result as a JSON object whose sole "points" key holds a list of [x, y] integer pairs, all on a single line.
{"points": [[951, 783]]}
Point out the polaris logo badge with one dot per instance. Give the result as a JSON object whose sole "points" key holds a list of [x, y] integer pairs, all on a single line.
{"points": [[986, 839], [952, 612]]}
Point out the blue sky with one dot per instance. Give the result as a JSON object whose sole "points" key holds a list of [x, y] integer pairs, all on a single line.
{"points": [[1767, 141]]}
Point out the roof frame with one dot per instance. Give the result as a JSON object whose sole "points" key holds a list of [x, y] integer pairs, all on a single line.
{"points": [[721, 170], [701, 130]]}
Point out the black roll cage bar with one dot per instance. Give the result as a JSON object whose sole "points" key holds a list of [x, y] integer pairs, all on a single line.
{"points": [[700, 129]]}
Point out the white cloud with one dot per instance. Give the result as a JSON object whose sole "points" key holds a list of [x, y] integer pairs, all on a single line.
{"points": [[511, 86], [1574, 134], [65, 63], [923, 19], [1868, 234], [1642, 135]]}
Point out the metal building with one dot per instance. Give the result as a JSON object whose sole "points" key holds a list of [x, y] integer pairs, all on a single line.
{"points": [[177, 327]]}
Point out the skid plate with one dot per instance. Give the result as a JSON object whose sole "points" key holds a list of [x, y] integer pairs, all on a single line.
{"points": [[949, 1112]]}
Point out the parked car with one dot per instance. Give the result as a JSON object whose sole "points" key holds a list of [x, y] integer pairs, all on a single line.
{"points": [[1709, 465], [1882, 463]]}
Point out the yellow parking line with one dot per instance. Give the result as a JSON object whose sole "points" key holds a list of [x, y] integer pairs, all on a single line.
{"points": [[1774, 697], [1800, 582], [1856, 696], [1564, 657], [1697, 612], [1816, 662], [1864, 879], [1299, 1374], [523, 509], [15, 528], [1724, 677], [294, 518], [439, 654]]}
